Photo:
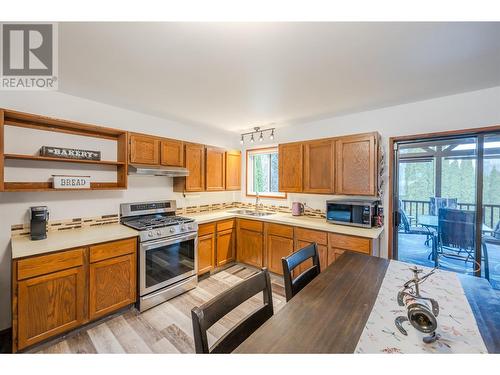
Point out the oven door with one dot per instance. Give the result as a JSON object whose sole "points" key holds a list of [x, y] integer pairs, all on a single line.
{"points": [[167, 261]]}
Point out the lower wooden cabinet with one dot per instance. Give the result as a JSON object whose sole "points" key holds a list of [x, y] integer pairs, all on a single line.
{"points": [[60, 291], [250, 242], [49, 305], [323, 256], [277, 248], [334, 254], [206, 253], [112, 285], [225, 247]]}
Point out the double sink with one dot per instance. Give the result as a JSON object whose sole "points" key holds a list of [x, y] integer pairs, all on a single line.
{"points": [[252, 213]]}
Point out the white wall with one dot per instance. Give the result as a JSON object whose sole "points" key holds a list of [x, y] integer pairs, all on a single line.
{"points": [[64, 205], [468, 110]]}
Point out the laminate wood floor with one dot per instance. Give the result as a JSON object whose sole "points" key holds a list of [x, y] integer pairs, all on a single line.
{"points": [[166, 328]]}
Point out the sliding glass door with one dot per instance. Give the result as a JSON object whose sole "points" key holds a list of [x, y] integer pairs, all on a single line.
{"points": [[447, 204]]}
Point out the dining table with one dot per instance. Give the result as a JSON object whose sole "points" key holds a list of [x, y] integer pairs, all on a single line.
{"points": [[330, 313], [432, 221]]}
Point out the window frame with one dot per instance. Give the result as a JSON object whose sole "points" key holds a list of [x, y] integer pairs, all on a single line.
{"points": [[283, 195]]}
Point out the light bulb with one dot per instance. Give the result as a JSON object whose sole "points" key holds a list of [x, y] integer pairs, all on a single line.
{"points": [[241, 140], [271, 137], [251, 139], [261, 138]]}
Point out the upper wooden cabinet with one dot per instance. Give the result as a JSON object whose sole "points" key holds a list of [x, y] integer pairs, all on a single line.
{"points": [[144, 149], [357, 160], [319, 166], [215, 159], [172, 153], [345, 165], [233, 170], [194, 161], [290, 159]]}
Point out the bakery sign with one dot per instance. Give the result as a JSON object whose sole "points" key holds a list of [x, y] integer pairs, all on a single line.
{"points": [[71, 182], [69, 153]]}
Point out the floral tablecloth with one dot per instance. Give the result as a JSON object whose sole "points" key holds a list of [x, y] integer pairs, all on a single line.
{"points": [[456, 323]]}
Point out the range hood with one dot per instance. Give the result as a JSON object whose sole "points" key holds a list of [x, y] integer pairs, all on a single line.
{"points": [[157, 170]]}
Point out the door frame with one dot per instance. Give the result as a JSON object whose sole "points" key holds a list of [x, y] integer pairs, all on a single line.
{"points": [[393, 140]]}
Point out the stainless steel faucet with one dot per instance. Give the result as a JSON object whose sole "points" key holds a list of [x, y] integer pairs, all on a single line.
{"points": [[257, 202]]}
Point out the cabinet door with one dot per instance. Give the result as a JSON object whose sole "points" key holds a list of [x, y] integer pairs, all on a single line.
{"points": [[290, 167], [172, 153], [215, 169], [206, 253], [144, 149], [334, 254], [277, 247], [323, 256], [356, 165], [225, 247], [319, 164], [233, 170], [50, 304], [112, 284], [195, 163], [250, 247]]}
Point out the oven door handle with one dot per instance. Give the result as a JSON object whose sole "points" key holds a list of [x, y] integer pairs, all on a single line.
{"points": [[168, 241]]}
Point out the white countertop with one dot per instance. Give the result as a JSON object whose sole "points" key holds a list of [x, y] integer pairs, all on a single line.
{"points": [[23, 246], [285, 218]]}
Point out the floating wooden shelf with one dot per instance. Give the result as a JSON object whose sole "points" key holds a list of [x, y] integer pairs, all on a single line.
{"points": [[27, 120], [63, 160]]}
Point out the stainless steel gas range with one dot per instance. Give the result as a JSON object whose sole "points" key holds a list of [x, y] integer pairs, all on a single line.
{"points": [[168, 250]]}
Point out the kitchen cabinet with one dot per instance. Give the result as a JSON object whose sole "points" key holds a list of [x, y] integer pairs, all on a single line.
{"points": [[305, 237], [319, 166], [233, 170], [225, 247], [112, 280], [194, 160], [279, 243], [215, 159], [172, 153], [56, 292], [206, 248], [250, 242], [356, 171], [144, 149], [290, 160]]}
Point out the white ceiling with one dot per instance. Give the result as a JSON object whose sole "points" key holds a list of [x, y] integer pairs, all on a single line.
{"points": [[239, 75]]}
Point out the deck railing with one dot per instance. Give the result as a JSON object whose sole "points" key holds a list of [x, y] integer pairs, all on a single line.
{"points": [[414, 208]]}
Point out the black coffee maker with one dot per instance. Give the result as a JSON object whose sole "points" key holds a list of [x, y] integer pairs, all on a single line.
{"points": [[39, 217]]}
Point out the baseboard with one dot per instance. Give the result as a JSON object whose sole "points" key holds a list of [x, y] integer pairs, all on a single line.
{"points": [[6, 341]]}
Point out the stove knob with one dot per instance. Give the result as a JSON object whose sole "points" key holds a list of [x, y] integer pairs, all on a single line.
{"points": [[172, 230], [183, 227], [150, 234], [158, 232], [190, 227]]}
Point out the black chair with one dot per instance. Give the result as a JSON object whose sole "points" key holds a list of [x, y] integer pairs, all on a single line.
{"points": [[408, 229], [488, 240], [209, 313], [293, 286]]}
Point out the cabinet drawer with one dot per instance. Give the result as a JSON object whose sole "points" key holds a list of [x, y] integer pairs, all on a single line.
{"points": [[225, 225], [309, 235], [204, 229], [112, 249], [280, 230], [359, 244], [44, 264], [256, 226]]}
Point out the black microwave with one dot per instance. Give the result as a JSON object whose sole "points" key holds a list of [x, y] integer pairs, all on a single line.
{"points": [[355, 213]]}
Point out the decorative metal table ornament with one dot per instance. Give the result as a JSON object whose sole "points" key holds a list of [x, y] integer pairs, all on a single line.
{"points": [[70, 153], [421, 311]]}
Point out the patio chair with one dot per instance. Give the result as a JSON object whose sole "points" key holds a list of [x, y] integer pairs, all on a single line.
{"points": [[407, 228], [435, 203], [457, 235], [492, 239]]}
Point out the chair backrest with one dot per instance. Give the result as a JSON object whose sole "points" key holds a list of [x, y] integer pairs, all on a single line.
{"points": [[438, 202], [457, 228], [496, 230], [293, 286], [209, 313], [404, 220]]}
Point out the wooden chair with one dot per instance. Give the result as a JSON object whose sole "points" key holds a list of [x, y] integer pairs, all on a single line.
{"points": [[209, 313], [293, 286]]}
